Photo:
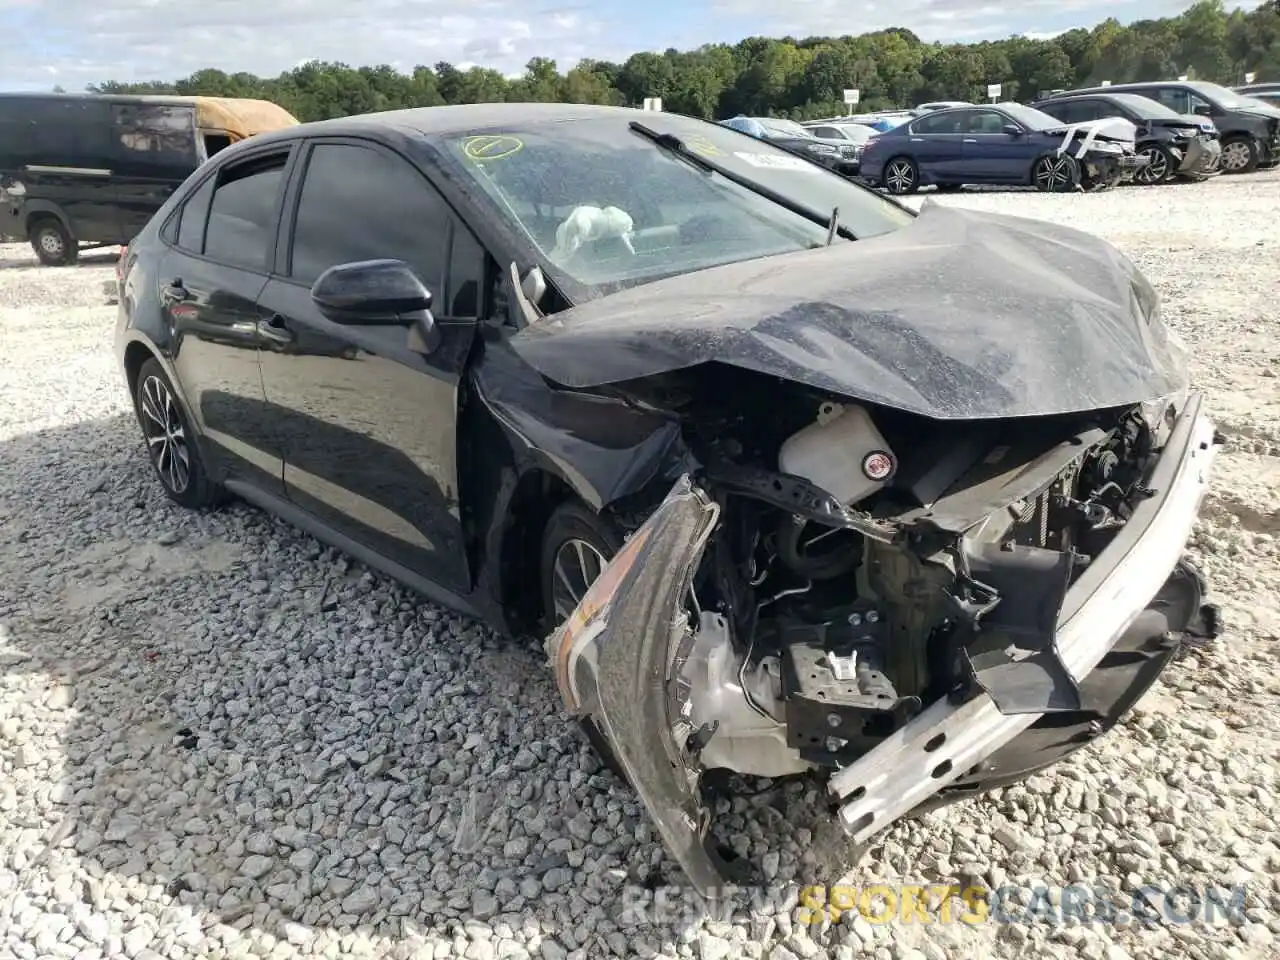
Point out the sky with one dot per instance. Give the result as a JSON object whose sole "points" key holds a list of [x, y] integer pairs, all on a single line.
{"points": [[71, 43]]}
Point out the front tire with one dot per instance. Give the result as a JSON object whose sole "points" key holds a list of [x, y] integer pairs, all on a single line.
{"points": [[171, 443], [1160, 168], [901, 176], [1240, 155], [1055, 173], [577, 543], [52, 242]]}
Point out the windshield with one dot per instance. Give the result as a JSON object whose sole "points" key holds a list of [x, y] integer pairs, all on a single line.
{"points": [[1030, 117], [1222, 96], [1145, 107], [605, 208]]}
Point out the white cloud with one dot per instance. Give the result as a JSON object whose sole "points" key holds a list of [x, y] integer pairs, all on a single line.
{"points": [[75, 42], [93, 40]]}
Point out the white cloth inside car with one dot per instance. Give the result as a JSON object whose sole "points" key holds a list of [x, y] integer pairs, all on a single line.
{"points": [[586, 224]]}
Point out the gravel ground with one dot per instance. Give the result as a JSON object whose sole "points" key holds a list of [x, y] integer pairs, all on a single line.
{"points": [[219, 738]]}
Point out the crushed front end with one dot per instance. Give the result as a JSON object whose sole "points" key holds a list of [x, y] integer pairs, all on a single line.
{"points": [[908, 610]]}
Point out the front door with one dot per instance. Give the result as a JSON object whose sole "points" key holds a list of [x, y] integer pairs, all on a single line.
{"points": [[991, 153], [369, 421], [209, 281]]}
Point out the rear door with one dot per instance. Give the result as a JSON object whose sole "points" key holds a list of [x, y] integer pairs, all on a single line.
{"points": [[154, 151], [936, 143], [210, 278], [370, 422]]}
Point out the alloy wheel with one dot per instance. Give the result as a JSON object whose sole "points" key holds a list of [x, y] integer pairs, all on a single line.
{"points": [[900, 178], [165, 435], [1053, 173], [1235, 155], [577, 565], [1156, 168]]}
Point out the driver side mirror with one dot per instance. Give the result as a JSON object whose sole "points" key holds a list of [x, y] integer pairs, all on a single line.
{"points": [[1013, 130], [378, 293], [1202, 110]]}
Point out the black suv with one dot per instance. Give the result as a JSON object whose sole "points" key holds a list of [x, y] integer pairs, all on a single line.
{"points": [[1174, 145], [1249, 129]]}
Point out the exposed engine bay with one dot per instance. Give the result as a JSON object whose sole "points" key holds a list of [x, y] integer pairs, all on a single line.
{"points": [[859, 567], [872, 570]]}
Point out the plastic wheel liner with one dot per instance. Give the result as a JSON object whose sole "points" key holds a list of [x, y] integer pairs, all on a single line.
{"points": [[616, 658]]}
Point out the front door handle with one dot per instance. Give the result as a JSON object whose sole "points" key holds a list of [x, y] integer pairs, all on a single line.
{"points": [[273, 329], [967, 140]]}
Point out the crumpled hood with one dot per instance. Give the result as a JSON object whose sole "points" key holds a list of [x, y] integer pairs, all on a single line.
{"points": [[959, 315]]}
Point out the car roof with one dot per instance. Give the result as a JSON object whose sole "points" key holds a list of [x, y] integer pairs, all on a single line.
{"points": [[457, 118], [416, 122]]}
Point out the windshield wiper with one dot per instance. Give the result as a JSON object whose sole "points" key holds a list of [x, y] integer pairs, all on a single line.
{"points": [[679, 149]]}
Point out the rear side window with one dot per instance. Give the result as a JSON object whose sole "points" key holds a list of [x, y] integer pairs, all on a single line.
{"points": [[67, 133], [195, 212], [940, 123], [154, 139], [243, 212], [358, 203]]}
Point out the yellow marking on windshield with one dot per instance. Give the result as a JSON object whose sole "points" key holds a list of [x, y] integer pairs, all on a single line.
{"points": [[491, 147], [703, 147]]}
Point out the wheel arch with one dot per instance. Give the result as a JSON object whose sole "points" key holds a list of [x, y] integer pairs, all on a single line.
{"points": [[136, 353], [525, 448], [33, 211]]}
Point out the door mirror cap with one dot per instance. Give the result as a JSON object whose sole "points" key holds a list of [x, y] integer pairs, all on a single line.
{"points": [[1013, 130], [372, 292]]}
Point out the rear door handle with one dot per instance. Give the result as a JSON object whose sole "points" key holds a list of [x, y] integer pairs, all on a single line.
{"points": [[274, 329], [969, 140]]}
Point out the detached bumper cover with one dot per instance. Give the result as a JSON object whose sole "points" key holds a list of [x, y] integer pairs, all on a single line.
{"points": [[947, 740], [1202, 157]]}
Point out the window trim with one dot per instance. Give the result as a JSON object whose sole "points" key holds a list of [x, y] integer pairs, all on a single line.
{"points": [[283, 266], [289, 149]]}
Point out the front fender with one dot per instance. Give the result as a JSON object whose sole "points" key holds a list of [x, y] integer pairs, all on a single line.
{"points": [[603, 447]]}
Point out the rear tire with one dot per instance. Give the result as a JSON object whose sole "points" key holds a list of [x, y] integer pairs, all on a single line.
{"points": [[901, 176], [52, 242], [171, 443], [1240, 155]]}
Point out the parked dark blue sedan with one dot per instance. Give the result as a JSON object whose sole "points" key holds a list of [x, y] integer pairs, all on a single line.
{"points": [[1005, 143]]}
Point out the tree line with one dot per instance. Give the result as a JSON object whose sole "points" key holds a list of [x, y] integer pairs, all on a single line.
{"points": [[788, 77]]}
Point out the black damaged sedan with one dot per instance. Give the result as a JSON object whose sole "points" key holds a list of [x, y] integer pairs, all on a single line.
{"points": [[795, 481]]}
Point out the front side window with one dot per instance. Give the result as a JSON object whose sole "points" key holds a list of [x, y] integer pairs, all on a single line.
{"points": [[242, 215], [606, 207], [1175, 98], [358, 203], [987, 121]]}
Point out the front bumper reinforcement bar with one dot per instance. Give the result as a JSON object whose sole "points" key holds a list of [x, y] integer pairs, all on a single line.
{"points": [[949, 739]]}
